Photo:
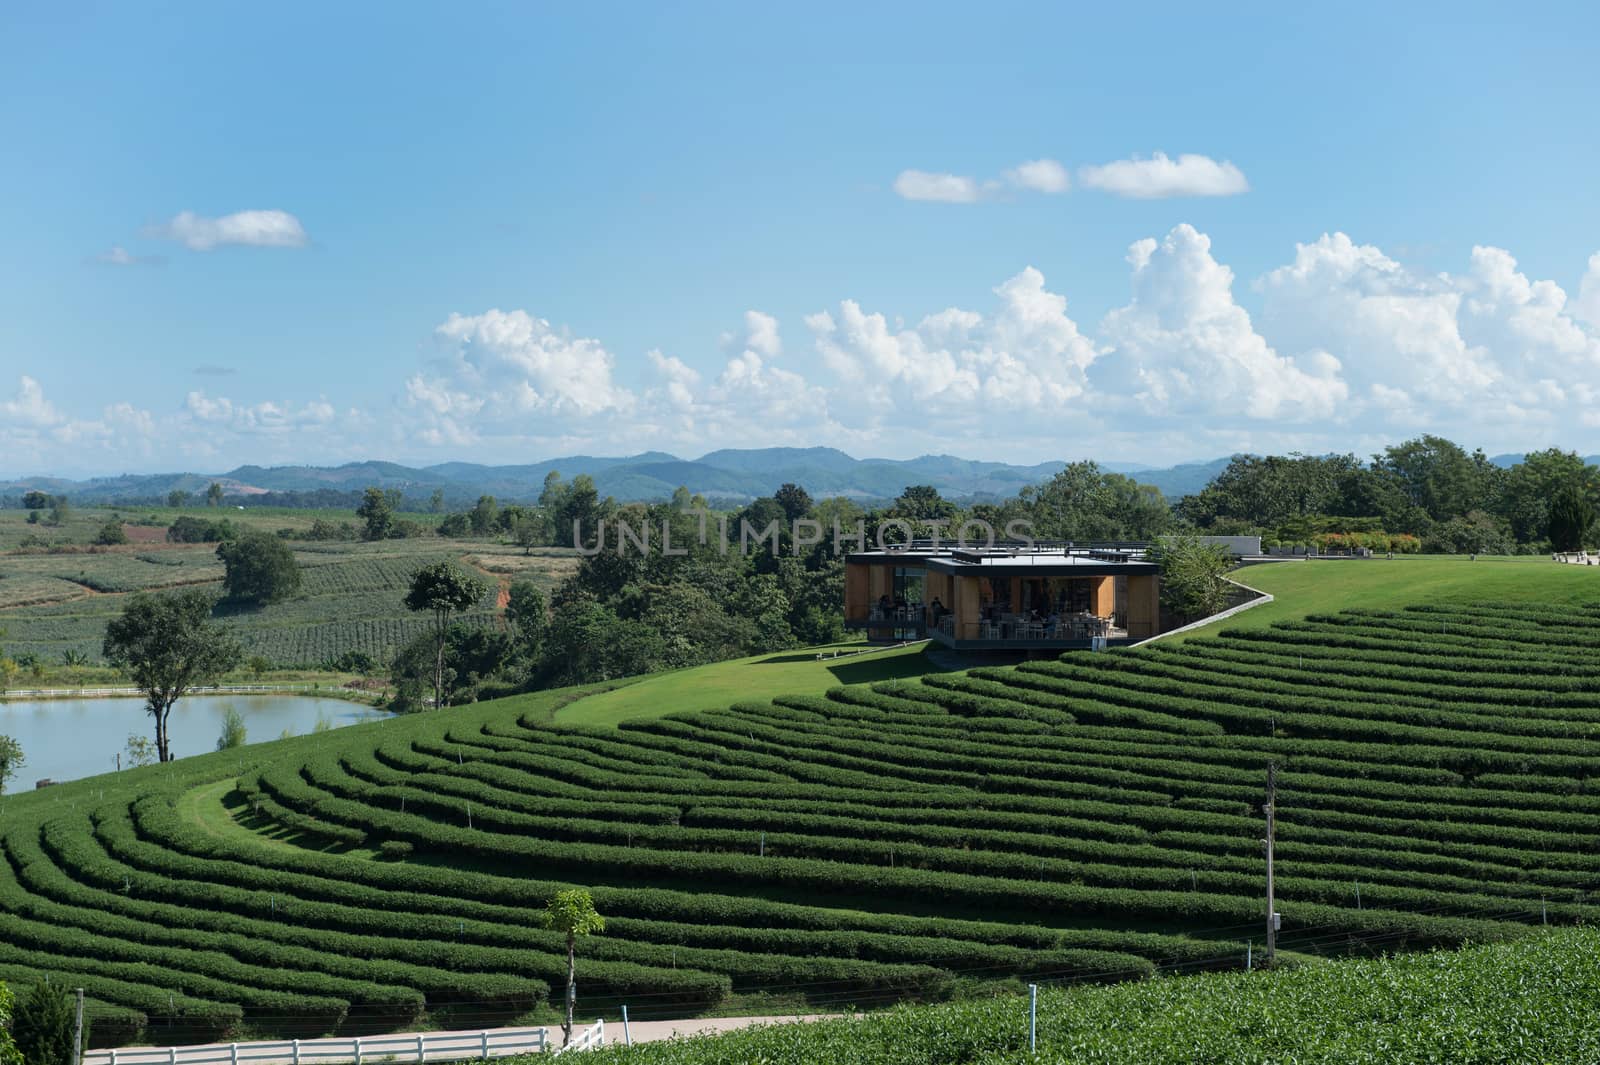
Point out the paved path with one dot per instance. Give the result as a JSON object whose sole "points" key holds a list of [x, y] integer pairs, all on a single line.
{"points": [[653, 1031]]}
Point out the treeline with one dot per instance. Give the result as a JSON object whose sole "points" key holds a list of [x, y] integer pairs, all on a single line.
{"points": [[1430, 489]]}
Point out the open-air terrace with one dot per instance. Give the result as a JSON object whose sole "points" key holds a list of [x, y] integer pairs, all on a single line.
{"points": [[1005, 597]]}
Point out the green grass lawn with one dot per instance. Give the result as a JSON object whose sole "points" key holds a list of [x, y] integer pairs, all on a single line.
{"points": [[1328, 585], [762, 677]]}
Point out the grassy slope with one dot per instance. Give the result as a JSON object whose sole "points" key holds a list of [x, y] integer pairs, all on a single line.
{"points": [[762, 677], [1330, 585]]}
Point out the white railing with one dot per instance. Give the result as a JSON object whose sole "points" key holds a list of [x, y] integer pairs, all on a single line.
{"points": [[591, 1038], [216, 689], [411, 1047]]}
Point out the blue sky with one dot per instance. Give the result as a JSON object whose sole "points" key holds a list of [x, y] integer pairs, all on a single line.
{"points": [[503, 232]]}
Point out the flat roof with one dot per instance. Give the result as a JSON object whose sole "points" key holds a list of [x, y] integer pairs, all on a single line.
{"points": [[1016, 561], [1042, 565]]}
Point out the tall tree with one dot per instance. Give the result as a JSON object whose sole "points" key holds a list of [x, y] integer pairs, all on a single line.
{"points": [[177, 499], [44, 1024], [442, 590], [436, 501], [528, 615], [376, 514], [259, 568], [1571, 516], [572, 913], [214, 495], [795, 501], [169, 645], [1440, 476]]}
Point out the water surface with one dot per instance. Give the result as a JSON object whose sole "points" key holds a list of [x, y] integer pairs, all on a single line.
{"points": [[64, 739]]}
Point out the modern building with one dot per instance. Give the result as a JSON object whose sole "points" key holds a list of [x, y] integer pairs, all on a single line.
{"points": [[1007, 597]]}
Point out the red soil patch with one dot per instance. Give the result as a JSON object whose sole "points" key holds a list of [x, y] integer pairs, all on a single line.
{"points": [[145, 534]]}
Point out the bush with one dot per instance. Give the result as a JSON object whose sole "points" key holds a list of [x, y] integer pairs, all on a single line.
{"points": [[111, 533], [43, 1025], [259, 568], [189, 529]]}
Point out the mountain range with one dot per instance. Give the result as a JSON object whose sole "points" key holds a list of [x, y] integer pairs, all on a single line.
{"points": [[729, 475]]}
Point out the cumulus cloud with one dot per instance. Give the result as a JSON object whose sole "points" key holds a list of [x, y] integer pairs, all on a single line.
{"points": [[1588, 303], [263, 417], [502, 369], [958, 371], [29, 408], [1040, 175], [1348, 349], [1160, 177], [1183, 345], [937, 188], [257, 229]]}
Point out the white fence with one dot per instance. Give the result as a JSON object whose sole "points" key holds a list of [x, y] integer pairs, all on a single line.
{"points": [[217, 689], [591, 1038], [413, 1047]]}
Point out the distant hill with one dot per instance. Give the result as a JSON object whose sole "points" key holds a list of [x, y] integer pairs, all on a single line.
{"points": [[653, 475]]}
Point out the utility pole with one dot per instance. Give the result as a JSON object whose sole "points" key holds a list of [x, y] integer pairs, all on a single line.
{"points": [[1272, 824], [77, 1034]]}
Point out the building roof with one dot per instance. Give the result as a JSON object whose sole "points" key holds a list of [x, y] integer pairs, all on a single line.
{"points": [[1017, 561]]}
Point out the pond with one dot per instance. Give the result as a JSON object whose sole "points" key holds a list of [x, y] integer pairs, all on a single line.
{"points": [[64, 739]]}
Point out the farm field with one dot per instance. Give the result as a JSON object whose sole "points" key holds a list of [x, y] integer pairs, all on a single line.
{"points": [[1525, 1003], [1094, 818], [51, 604]]}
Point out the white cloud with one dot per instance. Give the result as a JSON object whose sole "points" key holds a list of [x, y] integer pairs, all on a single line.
{"points": [[957, 371], [1040, 175], [505, 369], [1159, 177], [258, 229], [1587, 306], [120, 256], [29, 408], [937, 188], [1351, 349], [263, 417], [1182, 345]]}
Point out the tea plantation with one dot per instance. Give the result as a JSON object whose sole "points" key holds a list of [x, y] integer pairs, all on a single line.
{"points": [[1093, 818]]}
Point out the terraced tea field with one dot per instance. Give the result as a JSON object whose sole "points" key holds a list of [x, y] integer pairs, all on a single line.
{"points": [[1092, 818], [350, 601]]}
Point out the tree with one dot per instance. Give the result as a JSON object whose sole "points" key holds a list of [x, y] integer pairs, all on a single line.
{"points": [[1571, 515], [177, 499], [111, 533], [9, 1055], [60, 511], [482, 517], [141, 751], [572, 913], [436, 501], [922, 502], [795, 501], [214, 494], [529, 618], [527, 533], [35, 500], [168, 645], [11, 760], [259, 568], [377, 514], [442, 590], [1193, 576], [257, 665], [44, 1025], [233, 730]]}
